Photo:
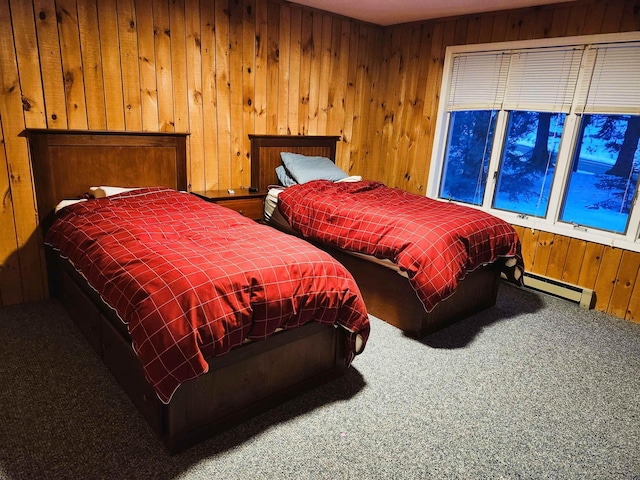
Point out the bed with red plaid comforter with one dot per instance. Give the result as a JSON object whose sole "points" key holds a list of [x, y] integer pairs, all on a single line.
{"points": [[435, 243], [193, 280]]}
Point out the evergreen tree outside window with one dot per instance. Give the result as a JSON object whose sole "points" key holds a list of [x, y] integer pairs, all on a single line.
{"points": [[467, 158], [604, 173], [528, 162]]}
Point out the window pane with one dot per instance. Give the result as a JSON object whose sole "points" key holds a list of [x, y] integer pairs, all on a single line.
{"points": [[467, 156], [604, 174], [528, 162]]}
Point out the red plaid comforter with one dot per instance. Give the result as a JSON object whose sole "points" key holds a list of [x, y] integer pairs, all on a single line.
{"points": [[435, 243], [193, 280]]}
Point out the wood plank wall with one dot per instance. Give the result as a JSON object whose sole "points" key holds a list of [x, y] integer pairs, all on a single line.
{"points": [[224, 69], [219, 69]]}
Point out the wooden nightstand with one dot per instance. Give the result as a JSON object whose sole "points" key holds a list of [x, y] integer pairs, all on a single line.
{"points": [[249, 204]]}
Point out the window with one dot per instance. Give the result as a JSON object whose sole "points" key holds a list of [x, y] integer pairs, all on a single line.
{"points": [[604, 173], [528, 162], [468, 150], [544, 135]]}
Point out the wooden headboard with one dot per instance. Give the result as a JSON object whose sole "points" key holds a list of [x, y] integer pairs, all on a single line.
{"points": [[66, 163], [265, 153]]}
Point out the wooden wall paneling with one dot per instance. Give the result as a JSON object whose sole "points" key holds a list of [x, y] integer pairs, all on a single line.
{"points": [[223, 92], [164, 80], [178, 45], [376, 107], [389, 105], [210, 119], [177, 29], [499, 31], [147, 62], [92, 65], [111, 68], [363, 91], [514, 21], [573, 263], [590, 265], [248, 85], [528, 23], [557, 256], [235, 82], [315, 72], [418, 160], [193, 44], [612, 17], [50, 63], [461, 30], [304, 86], [398, 65], [529, 242], [407, 75], [325, 74], [631, 17], [273, 66], [607, 275], [295, 65], [543, 24], [431, 96], [473, 30], [577, 16], [543, 247], [284, 73], [10, 277], [24, 35], [447, 39], [624, 283], [633, 309], [520, 231], [128, 35], [261, 74], [337, 81], [68, 28], [10, 289], [378, 84], [22, 248], [486, 29], [560, 19], [356, 94], [410, 124], [396, 106], [594, 17], [350, 97]]}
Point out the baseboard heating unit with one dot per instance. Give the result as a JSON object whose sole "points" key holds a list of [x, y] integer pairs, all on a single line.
{"points": [[585, 297]]}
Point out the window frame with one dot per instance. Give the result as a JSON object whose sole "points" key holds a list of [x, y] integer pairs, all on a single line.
{"points": [[552, 224]]}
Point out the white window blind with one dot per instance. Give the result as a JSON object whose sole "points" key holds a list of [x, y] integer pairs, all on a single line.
{"points": [[543, 80], [614, 83], [478, 81]]}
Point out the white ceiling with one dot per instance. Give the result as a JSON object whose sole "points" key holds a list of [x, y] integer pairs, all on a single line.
{"points": [[392, 12]]}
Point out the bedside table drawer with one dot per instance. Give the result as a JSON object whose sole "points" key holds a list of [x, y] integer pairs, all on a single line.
{"points": [[249, 207]]}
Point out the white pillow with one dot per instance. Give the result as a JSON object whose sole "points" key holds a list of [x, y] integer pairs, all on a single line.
{"points": [[106, 191], [66, 203], [352, 178], [303, 168]]}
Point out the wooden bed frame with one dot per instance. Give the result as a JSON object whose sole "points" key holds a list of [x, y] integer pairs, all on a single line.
{"points": [[248, 380], [387, 294]]}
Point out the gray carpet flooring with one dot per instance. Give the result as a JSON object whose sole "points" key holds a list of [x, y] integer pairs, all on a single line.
{"points": [[533, 388]]}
